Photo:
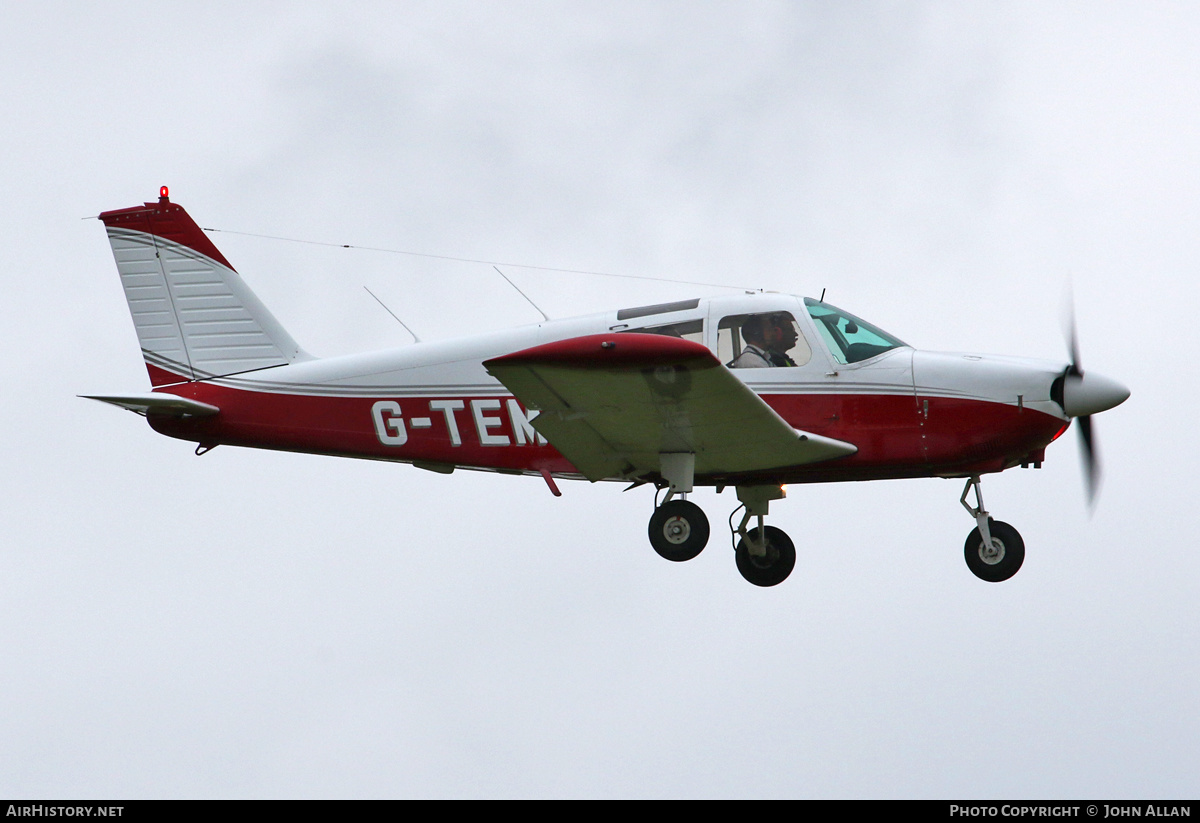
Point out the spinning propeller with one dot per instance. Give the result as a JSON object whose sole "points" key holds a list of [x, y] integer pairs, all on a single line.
{"points": [[1085, 395]]}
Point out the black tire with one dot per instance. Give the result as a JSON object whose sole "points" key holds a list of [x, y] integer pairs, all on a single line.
{"points": [[678, 530], [1000, 565], [775, 566]]}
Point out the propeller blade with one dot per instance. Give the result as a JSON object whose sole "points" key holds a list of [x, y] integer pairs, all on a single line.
{"points": [[1076, 367], [1091, 458], [1083, 396]]}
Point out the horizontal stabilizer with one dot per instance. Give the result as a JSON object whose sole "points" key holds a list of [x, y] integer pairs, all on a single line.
{"points": [[158, 403]]}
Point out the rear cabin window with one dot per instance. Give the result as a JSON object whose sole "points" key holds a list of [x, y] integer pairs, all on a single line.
{"points": [[687, 330]]}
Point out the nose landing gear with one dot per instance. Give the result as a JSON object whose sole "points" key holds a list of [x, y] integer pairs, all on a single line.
{"points": [[994, 550]]}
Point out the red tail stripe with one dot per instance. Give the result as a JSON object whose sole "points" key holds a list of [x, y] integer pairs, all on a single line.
{"points": [[168, 221]]}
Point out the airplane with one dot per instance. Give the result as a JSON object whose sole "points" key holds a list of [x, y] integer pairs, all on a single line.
{"points": [[753, 391]]}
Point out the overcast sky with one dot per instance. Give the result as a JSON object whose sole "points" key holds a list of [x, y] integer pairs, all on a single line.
{"points": [[258, 624]]}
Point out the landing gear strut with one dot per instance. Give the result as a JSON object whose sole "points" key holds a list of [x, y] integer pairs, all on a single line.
{"points": [[678, 528], [994, 550], [766, 555]]}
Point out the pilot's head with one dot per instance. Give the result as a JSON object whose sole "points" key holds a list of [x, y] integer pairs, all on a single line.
{"points": [[773, 332]]}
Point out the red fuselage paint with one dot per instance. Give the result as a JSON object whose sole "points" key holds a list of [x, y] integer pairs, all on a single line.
{"points": [[895, 436]]}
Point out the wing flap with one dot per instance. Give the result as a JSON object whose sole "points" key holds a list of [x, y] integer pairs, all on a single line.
{"points": [[611, 404]]}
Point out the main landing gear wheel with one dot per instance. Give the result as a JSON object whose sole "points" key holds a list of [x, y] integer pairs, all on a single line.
{"points": [[1002, 560], [771, 568], [678, 530]]}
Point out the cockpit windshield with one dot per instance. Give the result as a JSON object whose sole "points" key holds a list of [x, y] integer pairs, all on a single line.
{"points": [[849, 339]]}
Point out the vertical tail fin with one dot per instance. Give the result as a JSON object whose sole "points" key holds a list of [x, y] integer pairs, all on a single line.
{"points": [[195, 317]]}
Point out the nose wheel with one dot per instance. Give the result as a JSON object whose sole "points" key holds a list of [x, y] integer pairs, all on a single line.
{"points": [[678, 530], [994, 550], [999, 561]]}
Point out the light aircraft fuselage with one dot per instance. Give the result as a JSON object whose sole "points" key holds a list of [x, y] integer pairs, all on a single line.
{"points": [[751, 391]]}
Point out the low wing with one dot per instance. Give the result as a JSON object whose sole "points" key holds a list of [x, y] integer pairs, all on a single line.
{"points": [[157, 402], [612, 404]]}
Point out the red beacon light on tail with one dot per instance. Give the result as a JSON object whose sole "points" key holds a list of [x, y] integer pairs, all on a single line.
{"points": [[163, 194]]}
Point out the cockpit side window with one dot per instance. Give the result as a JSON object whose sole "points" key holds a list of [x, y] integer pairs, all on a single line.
{"points": [[849, 339], [763, 340]]}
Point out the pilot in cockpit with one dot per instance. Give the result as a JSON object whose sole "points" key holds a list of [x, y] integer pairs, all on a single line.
{"points": [[768, 338]]}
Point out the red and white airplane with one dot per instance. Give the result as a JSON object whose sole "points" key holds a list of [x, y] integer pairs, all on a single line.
{"points": [[752, 391]]}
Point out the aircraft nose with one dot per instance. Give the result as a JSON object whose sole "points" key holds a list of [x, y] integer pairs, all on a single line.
{"points": [[1091, 393]]}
